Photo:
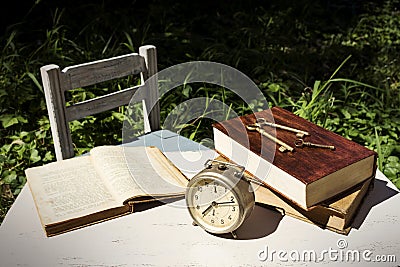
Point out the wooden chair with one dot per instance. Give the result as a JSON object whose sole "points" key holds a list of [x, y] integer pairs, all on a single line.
{"points": [[56, 82]]}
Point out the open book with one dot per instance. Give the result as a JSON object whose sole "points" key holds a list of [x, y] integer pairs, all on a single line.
{"points": [[108, 183]]}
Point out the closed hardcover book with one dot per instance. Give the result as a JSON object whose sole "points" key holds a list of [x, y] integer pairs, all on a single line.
{"points": [[307, 175], [335, 214]]}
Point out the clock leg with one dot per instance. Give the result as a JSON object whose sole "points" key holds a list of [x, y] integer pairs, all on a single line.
{"points": [[234, 234]]}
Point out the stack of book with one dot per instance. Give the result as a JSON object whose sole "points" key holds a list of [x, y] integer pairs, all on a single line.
{"points": [[319, 185]]}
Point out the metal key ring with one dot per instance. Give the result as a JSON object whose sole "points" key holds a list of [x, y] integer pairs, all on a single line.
{"points": [[261, 121], [299, 143]]}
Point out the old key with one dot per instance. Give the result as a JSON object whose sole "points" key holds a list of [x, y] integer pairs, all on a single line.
{"points": [[299, 133], [301, 143], [282, 148]]}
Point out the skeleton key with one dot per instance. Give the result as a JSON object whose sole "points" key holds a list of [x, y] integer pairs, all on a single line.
{"points": [[301, 143], [299, 133], [282, 148]]}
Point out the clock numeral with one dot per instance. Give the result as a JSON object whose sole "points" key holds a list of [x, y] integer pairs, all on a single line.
{"points": [[233, 208], [230, 217], [198, 207], [200, 189], [212, 221], [232, 199], [196, 197], [215, 189], [222, 221]]}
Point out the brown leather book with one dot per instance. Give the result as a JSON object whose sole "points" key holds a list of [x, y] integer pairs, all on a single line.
{"points": [[335, 214], [305, 176]]}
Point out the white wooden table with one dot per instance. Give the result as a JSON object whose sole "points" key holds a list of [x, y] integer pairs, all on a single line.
{"points": [[165, 236]]}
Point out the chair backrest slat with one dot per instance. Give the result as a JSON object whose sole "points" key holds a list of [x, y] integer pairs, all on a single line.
{"points": [[102, 70], [100, 104]]}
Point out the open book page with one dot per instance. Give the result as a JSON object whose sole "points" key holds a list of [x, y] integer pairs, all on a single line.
{"points": [[109, 161], [155, 174], [68, 189], [137, 171]]}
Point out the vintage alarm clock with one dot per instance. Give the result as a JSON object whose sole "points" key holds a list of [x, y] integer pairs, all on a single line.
{"points": [[220, 198]]}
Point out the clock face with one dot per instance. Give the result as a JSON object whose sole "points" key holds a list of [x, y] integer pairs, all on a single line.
{"points": [[214, 206]]}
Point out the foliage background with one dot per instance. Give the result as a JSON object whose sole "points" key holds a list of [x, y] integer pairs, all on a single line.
{"points": [[332, 62]]}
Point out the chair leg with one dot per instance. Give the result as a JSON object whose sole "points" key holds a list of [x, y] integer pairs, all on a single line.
{"points": [[151, 103], [55, 101]]}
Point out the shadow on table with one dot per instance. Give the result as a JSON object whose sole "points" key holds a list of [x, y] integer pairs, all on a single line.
{"points": [[263, 221], [379, 193], [147, 203]]}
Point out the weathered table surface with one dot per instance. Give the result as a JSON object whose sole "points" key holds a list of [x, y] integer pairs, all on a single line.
{"points": [[165, 236]]}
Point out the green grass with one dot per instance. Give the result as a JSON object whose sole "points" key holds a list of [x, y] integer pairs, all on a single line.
{"points": [[334, 63]]}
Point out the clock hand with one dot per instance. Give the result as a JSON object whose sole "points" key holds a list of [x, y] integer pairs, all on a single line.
{"points": [[206, 210], [225, 202], [215, 204]]}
